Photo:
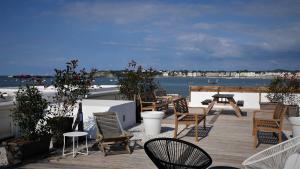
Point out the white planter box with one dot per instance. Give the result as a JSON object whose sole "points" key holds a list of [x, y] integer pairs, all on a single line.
{"points": [[152, 122]]}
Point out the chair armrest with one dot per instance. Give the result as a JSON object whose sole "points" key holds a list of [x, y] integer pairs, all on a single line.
{"points": [[164, 97], [262, 111], [127, 134], [197, 113], [179, 114], [148, 102], [265, 119]]}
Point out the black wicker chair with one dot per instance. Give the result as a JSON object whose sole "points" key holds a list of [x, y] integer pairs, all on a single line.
{"points": [[171, 153]]}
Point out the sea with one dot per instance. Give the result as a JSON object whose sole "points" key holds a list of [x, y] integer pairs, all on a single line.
{"points": [[173, 85]]}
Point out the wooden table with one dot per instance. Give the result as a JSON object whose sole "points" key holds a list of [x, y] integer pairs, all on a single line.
{"points": [[225, 99]]}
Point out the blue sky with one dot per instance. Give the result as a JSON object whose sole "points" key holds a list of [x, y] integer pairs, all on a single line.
{"points": [[40, 35]]}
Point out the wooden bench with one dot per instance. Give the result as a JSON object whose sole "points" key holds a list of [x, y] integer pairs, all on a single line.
{"points": [[206, 102], [240, 103]]}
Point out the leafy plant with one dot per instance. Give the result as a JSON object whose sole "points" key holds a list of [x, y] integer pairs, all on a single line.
{"points": [[136, 79], [71, 85], [30, 113], [283, 89]]}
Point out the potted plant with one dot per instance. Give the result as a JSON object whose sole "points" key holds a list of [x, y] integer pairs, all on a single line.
{"points": [[135, 79], [30, 117], [71, 85], [284, 89], [275, 93]]}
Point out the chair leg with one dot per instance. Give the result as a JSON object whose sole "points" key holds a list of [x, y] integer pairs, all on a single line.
{"points": [[280, 137], [102, 147], [204, 123], [253, 126], [255, 139], [127, 147], [175, 130], [196, 133], [196, 129]]}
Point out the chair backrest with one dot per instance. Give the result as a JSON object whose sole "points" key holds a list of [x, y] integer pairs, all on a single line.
{"points": [[160, 92], [147, 96], [279, 111], [173, 153], [108, 124], [278, 156], [180, 105]]}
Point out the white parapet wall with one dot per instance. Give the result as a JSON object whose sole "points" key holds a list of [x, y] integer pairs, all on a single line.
{"points": [[125, 110], [252, 96]]}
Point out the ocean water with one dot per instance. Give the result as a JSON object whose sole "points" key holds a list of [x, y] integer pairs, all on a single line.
{"points": [[178, 85]]}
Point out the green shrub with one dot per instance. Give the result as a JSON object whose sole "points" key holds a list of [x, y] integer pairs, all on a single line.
{"points": [[30, 113]]}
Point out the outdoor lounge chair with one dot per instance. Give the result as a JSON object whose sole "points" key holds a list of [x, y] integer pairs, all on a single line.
{"points": [[182, 115], [285, 155], [110, 131], [149, 102], [269, 125], [170, 153]]}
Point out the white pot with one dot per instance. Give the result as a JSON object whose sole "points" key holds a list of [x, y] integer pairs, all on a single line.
{"points": [[295, 121], [152, 121]]}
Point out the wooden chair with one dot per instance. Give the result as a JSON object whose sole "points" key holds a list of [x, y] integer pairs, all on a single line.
{"points": [[182, 115], [149, 102], [274, 125], [110, 131]]}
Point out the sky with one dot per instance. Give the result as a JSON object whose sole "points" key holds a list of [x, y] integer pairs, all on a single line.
{"points": [[37, 36]]}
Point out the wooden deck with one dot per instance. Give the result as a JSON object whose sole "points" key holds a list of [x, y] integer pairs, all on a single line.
{"points": [[229, 142]]}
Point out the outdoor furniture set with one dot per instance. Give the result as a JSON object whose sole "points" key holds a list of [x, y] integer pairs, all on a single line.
{"points": [[174, 153]]}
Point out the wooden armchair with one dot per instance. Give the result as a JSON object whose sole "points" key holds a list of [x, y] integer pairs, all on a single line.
{"points": [[182, 115], [149, 102], [110, 131], [274, 125]]}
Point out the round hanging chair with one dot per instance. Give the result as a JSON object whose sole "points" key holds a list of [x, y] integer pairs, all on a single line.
{"points": [[170, 153], [285, 155]]}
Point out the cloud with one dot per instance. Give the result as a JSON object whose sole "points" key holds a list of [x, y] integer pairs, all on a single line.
{"points": [[205, 44], [125, 12]]}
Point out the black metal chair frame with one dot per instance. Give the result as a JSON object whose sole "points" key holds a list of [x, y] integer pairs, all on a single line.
{"points": [[162, 164]]}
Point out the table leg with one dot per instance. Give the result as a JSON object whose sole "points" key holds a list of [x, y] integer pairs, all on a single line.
{"points": [[87, 150], [77, 142], [73, 146], [235, 107], [210, 106], [64, 146]]}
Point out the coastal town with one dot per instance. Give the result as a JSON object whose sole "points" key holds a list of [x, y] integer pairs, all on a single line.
{"points": [[219, 74]]}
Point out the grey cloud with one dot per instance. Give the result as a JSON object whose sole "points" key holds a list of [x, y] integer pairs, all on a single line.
{"points": [[128, 12], [208, 45]]}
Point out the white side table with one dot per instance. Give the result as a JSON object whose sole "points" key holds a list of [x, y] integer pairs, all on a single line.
{"points": [[73, 135]]}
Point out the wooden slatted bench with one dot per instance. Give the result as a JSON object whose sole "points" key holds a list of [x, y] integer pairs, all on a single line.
{"points": [[240, 103], [206, 102]]}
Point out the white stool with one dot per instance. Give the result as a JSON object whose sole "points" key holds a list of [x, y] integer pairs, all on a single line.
{"points": [[73, 135]]}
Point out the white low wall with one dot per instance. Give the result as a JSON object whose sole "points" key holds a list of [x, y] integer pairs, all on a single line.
{"points": [[124, 109]]}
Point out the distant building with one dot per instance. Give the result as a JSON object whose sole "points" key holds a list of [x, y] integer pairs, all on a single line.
{"points": [[165, 73], [212, 74]]}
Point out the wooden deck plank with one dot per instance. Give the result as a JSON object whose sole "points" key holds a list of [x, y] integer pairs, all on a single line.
{"points": [[229, 143]]}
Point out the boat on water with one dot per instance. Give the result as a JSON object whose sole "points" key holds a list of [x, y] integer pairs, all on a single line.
{"points": [[211, 81]]}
